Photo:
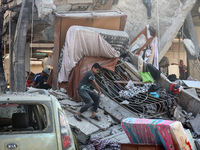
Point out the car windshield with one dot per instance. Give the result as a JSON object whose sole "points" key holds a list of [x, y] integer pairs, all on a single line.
{"points": [[15, 117]]}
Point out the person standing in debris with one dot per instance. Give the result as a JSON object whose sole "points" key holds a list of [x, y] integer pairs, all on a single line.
{"points": [[163, 64], [40, 79], [182, 70], [89, 98]]}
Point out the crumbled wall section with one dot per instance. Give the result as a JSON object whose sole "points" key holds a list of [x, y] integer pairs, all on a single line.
{"points": [[44, 7], [166, 17], [62, 5]]}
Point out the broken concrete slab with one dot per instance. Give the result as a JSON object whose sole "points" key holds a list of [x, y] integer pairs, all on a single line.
{"points": [[59, 95], [192, 84], [63, 8], [189, 46], [195, 123], [197, 143], [116, 110], [80, 136], [172, 30], [80, 1], [44, 7], [48, 33], [192, 34], [132, 70], [86, 127], [110, 131], [118, 137], [189, 102], [106, 120], [71, 103], [192, 91], [167, 18]]}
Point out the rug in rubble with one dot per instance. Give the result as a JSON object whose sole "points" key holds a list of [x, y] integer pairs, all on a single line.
{"points": [[81, 68]]}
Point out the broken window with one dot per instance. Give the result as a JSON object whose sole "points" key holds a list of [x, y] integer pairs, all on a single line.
{"points": [[15, 117]]}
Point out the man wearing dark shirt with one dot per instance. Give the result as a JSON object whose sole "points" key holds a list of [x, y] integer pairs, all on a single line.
{"points": [[40, 79], [88, 96]]}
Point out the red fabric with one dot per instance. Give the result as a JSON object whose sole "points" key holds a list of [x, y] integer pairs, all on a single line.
{"points": [[81, 68], [28, 83]]}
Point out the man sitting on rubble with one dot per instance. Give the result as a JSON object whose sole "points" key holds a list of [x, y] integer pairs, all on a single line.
{"points": [[89, 97], [40, 79]]}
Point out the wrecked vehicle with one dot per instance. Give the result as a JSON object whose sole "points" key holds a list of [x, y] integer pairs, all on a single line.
{"points": [[33, 120]]}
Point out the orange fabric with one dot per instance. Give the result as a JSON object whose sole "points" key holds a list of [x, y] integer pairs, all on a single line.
{"points": [[81, 68]]}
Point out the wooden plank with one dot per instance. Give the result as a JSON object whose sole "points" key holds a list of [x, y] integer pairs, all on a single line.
{"points": [[110, 23], [141, 147], [152, 55], [123, 22], [56, 54]]}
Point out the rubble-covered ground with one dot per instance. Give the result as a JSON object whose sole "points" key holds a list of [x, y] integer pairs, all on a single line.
{"points": [[109, 128]]}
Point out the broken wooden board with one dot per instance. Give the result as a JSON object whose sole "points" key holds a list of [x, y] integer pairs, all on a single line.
{"points": [[131, 69]]}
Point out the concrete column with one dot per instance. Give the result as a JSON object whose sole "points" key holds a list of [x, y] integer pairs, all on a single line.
{"points": [[12, 27], [20, 46], [27, 58], [192, 33]]}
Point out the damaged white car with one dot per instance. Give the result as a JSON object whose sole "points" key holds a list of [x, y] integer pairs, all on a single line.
{"points": [[33, 120]]}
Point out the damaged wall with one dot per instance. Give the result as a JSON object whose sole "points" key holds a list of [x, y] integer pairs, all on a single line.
{"points": [[195, 73], [166, 17], [45, 7]]}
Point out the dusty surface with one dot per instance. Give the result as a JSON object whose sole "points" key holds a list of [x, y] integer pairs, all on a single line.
{"points": [[167, 17]]}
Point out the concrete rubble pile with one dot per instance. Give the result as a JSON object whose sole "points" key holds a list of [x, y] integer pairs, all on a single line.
{"points": [[113, 112], [126, 94], [107, 128]]}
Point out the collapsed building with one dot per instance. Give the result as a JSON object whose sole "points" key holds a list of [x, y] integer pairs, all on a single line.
{"points": [[173, 18]]}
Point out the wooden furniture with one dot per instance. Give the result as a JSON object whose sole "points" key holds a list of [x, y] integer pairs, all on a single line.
{"points": [[141, 147]]}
